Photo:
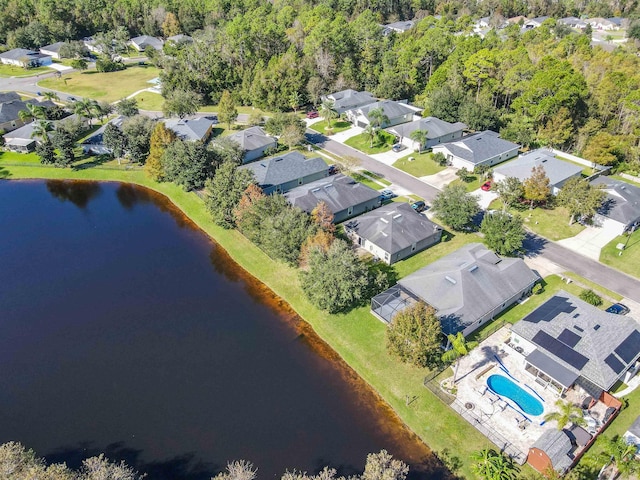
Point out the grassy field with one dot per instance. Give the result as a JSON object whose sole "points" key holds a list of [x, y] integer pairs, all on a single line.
{"points": [[356, 336], [14, 71], [336, 126], [628, 260], [421, 165], [109, 87], [150, 101], [246, 110], [362, 142]]}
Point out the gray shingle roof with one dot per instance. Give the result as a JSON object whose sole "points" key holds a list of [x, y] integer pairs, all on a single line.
{"points": [[195, 129], [435, 127], [97, 137], [635, 427], [338, 192], [22, 53], [54, 47], [479, 147], [8, 96], [23, 132], [599, 334], [557, 445], [391, 108], [143, 41], [9, 111], [180, 38], [252, 138], [285, 168], [402, 26], [468, 283], [347, 99], [393, 227], [622, 202], [556, 170]]}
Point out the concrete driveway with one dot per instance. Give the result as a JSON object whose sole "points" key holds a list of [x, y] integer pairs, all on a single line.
{"points": [[441, 179], [590, 241], [390, 157], [341, 137], [484, 198]]}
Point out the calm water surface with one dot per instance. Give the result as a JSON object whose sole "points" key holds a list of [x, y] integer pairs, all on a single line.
{"points": [[126, 330]]}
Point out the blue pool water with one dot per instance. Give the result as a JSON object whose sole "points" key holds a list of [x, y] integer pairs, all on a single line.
{"points": [[507, 388]]}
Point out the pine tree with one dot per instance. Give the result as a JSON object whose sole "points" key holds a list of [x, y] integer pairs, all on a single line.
{"points": [[161, 138]]}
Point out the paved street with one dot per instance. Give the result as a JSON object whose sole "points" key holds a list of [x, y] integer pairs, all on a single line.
{"points": [[536, 246]]}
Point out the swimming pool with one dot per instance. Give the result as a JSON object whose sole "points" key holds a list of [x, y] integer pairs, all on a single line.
{"points": [[507, 388]]}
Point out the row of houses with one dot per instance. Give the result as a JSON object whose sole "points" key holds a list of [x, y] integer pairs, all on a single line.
{"points": [[597, 23]]}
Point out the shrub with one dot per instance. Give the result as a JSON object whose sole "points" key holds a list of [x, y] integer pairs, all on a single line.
{"points": [[591, 297]]}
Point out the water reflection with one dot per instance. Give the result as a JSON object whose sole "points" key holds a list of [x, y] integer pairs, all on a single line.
{"points": [[78, 193]]}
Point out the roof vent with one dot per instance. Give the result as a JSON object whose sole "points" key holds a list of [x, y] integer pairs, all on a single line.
{"points": [[596, 327], [474, 268], [316, 190], [576, 315], [397, 216], [384, 220], [450, 280], [578, 328], [543, 161]]}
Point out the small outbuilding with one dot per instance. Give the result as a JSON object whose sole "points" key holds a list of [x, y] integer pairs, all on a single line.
{"points": [[553, 449]]}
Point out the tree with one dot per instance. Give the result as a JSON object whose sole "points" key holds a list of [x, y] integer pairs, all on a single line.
{"points": [[580, 198], [41, 129], [227, 111], [510, 191], [463, 174], [321, 240], [459, 348], [382, 466], [455, 207], [537, 187], [591, 297], [377, 117], [440, 159], [567, 413], [114, 140], [350, 164], [138, 130], [250, 197], [46, 152], [33, 111], [336, 279], [64, 141], [161, 138], [327, 112], [181, 103], [603, 148], [238, 470], [102, 110], [371, 132], [503, 232], [291, 136], [224, 192], [85, 107], [228, 150], [100, 468], [415, 336], [621, 455], [49, 95], [188, 164], [323, 217], [170, 25], [420, 137], [79, 64], [127, 107], [491, 465]]}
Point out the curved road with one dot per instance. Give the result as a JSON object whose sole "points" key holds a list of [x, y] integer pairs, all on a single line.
{"points": [[535, 245]]}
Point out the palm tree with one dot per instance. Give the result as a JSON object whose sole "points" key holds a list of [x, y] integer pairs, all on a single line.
{"points": [[419, 136], [102, 109], [371, 131], [622, 455], [459, 348], [42, 129], [567, 413], [490, 465], [51, 96], [377, 117], [32, 111], [327, 112], [85, 107]]}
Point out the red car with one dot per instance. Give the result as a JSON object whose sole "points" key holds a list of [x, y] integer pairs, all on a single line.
{"points": [[486, 186], [312, 114]]}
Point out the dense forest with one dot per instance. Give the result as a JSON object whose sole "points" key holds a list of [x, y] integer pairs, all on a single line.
{"points": [[546, 86]]}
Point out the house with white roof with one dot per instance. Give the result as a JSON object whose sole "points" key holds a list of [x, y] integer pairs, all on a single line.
{"points": [[620, 210], [396, 113], [21, 57], [254, 141], [484, 148], [143, 41], [52, 50], [397, 27], [438, 131], [348, 99], [194, 130]]}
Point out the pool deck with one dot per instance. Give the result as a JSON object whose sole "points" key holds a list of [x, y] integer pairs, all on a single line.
{"points": [[492, 413]]}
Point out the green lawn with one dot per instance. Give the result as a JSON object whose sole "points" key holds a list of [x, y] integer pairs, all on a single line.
{"points": [[382, 143], [366, 181], [421, 166], [377, 177], [357, 337], [629, 259], [14, 71], [150, 101], [246, 110], [109, 87], [473, 183], [336, 126], [594, 286]]}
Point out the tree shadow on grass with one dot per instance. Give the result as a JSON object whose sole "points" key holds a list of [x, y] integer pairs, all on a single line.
{"points": [[93, 162]]}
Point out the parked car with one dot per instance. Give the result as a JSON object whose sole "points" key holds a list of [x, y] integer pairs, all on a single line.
{"points": [[39, 94], [333, 169], [618, 309], [72, 99], [398, 147], [419, 206], [486, 186], [313, 114], [387, 195]]}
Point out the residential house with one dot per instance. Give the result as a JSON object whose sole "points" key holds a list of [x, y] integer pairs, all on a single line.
{"points": [[396, 112], [632, 435], [568, 343], [535, 22], [517, 20], [143, 41], [180, 39], [94, 144], [348, 99], [438, 131], [23, 139], [21, 57], [393, 232], [52, 50], [9, 96], [254, 141], [573, 22], [194, 130], [281, 174], [397, 27], [10, 110], [467, 288], [345, 197], [599, 23], [619, 22], [621, 209], [558, 171], [484, 148]]}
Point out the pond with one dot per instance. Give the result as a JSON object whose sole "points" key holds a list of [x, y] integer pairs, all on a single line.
{"points": [[126, 330]]}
